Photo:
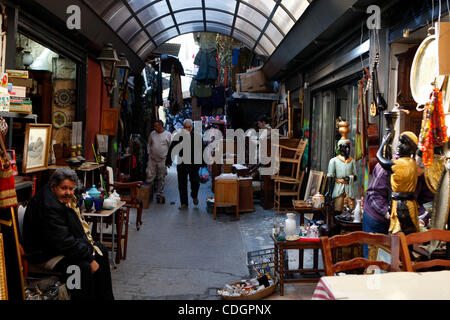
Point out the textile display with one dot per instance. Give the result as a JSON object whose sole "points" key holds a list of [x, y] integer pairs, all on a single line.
{"points": [[175, 92], [207, 40], [206, 59], [8, 196], [224, 60]]}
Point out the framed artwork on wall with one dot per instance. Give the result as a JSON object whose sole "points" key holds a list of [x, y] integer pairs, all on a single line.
{"points": [[36, 147], [314, 184]]}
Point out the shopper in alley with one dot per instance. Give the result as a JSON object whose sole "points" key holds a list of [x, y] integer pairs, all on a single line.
{"points": [[187, 165], [158, 146]]}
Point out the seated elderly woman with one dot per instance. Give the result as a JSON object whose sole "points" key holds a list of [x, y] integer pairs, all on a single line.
{"points": [[58, 236]]}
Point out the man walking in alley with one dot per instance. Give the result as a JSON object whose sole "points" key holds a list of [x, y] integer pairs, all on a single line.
{"points": [[158, 146], [186, 165]]}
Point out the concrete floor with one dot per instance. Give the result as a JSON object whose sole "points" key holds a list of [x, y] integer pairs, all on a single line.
{"points": [[186, 254]]}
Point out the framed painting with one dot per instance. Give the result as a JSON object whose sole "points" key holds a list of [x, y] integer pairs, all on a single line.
{"points": [[3, 286], [36, 147], [314, 184]]}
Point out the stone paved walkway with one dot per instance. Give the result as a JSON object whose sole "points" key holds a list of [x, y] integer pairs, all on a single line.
{"points": [[186, 254]]}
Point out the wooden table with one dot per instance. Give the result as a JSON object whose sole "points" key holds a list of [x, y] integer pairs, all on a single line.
{"points": [[103, 214], [432, 285], [301, 245]]}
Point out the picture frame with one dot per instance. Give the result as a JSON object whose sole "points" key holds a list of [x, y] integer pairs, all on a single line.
{"points": [[3, 285], [36, 147], [315, 181]]}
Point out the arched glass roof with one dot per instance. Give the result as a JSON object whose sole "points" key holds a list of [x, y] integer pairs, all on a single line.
{"points": [[146, 24]]}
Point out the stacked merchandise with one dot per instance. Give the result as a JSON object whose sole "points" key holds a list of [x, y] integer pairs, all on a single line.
{"points": [[174, 122], [18, 84]]}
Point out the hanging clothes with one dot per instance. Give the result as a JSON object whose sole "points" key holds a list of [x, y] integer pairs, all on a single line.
{"points": [[175, 93], [224, 60], [206, 59]]}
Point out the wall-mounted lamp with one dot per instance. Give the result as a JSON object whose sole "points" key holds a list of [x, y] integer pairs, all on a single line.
{"points": [[123, 68], [108, 62]]}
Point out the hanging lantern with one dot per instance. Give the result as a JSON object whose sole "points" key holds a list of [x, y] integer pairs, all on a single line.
{"points": [[124, 69], [27, 59], [108, 63]]}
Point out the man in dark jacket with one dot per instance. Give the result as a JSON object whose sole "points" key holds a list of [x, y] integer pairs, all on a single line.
{"points": [[188, 164], [58, 237]]}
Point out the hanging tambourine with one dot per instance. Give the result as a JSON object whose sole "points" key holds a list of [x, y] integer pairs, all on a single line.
{"points": [[425, 71]]}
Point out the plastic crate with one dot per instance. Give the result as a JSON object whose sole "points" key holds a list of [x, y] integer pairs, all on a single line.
{"points": [[262, 260]]}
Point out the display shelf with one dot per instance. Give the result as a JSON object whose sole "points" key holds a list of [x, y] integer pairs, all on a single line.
{"points": [[6, 114], [256, 96]]}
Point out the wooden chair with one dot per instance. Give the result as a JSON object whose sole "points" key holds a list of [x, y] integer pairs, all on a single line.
{"points": [[289, 186], [358, 237], [421, 238], [129, 193]]}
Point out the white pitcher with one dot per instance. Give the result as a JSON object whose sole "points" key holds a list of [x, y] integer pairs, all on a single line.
{"points": [[290, 225]]}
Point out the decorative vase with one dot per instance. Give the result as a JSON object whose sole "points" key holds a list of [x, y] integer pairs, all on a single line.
{"points": [[290, 225], [98, 203], [318, 200], [343, 129], [88, 203], [357, 212]]}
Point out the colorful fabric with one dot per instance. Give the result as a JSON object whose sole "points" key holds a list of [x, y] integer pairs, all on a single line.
{"points": [[224, 60], [376, 202], [322, 292], [8, 197]]}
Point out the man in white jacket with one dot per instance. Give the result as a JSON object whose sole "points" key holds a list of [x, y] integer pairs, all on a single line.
{"points": [[158, 145]]}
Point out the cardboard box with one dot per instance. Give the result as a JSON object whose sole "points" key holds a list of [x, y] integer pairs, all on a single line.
{"points": [[17, 73], [21, 108], [253, 80], [18, 91], [28, 83]]}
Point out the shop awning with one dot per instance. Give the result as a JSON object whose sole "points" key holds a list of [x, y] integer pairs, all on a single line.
{"points": [[144, 25]]}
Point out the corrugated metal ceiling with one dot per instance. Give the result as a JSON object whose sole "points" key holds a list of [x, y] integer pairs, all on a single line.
{"points": [[144, 25]]}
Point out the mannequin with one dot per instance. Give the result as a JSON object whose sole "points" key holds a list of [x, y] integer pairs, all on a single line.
{"points": [[341, 178], [403, 180]]}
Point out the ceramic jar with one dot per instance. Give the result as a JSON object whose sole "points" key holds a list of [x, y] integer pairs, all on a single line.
{"points": [[318, 200], [109, 203], [94, 193]]}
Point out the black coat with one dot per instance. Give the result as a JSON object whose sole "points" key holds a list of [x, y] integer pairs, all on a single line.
{"points": [[51, 229], [176, 141]]}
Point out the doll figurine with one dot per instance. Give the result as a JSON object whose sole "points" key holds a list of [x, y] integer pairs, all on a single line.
{"points": [[341, 178]]}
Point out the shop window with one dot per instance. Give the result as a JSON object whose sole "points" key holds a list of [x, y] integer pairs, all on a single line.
{"points": [[53, 93]]}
